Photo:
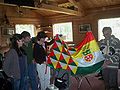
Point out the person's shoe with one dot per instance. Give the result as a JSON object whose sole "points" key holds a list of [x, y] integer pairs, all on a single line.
{"points": [[100, 78]]}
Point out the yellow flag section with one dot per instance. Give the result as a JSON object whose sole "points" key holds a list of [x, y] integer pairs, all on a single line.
{"points": [[88, 56]]}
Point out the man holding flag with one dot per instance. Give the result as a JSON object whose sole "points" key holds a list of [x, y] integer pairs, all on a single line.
{"points": [[110, 47]]}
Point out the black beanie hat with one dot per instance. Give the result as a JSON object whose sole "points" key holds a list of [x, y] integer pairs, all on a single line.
{"points": [[41, 34]]}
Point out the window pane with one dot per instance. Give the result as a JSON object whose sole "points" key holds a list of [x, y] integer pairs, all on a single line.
{"points": [[114, 23], [25, 27], [65, 29]]}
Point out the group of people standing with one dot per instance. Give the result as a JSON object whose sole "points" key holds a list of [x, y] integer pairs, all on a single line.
{"points": [[25, 62]]}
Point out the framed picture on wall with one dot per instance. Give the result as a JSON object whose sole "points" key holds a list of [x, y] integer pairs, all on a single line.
{"points": [[84, 28], [11, 31], [7, 31]]}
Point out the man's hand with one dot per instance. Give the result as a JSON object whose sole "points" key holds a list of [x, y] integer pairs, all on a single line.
{"points": [[33, 61], [44, 62]]}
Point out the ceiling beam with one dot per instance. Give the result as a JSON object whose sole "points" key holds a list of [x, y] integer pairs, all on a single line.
{"points": [[51, 8], [105, 8], [78, 5], [74, 3], [6, 4], [60, 10]]}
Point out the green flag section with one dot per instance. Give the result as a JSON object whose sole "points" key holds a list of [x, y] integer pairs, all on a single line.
{"points": [[90, 69], [86, 58]]}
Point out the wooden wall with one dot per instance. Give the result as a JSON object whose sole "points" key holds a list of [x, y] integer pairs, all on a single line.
{"points": [[33, 18], [89, 18], [26, 17]]}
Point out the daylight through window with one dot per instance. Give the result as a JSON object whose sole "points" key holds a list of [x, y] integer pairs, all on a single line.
{"points": [[25, 27], [65, 29], [114, 23]]}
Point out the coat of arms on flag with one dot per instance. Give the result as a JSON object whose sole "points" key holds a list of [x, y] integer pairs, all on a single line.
{"points": [[86, 58]]}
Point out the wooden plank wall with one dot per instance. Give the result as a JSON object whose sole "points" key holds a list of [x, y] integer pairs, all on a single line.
{"points": [[77, 36], [28, 17], [88, 19]]}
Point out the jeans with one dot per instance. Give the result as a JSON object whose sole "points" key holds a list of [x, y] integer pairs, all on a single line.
{"points": [[32, 74], [16, 84], [24, 83]]}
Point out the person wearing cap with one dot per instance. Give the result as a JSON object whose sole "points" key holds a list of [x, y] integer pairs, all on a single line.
{"points": [[40, 56]]}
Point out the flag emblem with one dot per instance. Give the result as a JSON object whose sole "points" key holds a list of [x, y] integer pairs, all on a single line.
{"points": [[88, 55]]}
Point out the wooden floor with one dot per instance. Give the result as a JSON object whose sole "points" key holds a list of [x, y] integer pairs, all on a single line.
{"points": [[94, 82]]}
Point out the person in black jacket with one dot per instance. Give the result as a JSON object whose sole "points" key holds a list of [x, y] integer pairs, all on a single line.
{"points": [[40, 56]]}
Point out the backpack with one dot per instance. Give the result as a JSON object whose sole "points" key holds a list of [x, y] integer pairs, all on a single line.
{"points": [[5, 83], [62, 82]]}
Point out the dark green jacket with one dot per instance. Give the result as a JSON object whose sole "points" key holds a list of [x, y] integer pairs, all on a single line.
{"points": [[29, 52]]}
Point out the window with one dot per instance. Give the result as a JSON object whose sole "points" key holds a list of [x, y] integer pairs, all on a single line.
{"points": [[65, 29], [114, 23], [25, 27]]}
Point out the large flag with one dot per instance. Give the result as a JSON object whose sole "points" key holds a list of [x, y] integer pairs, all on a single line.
{"points": [[88, 55], [84, 59]]}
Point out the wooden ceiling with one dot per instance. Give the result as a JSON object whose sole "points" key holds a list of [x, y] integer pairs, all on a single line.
{"points": [[67, 7]]}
